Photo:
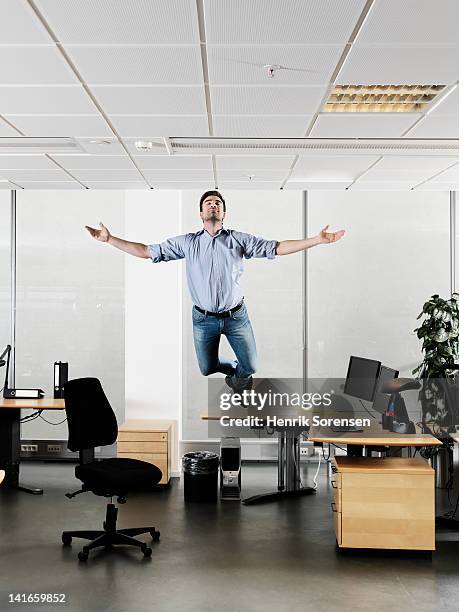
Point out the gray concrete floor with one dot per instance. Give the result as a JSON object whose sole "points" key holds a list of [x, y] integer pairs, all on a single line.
{"points": [[225, 556]]}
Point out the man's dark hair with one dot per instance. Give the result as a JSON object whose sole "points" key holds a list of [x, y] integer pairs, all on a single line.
{"points": [[211, 193]]}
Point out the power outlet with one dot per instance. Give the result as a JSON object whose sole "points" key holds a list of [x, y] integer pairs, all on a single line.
{"points": [[29, 448], [54, 448], [304, 451]]}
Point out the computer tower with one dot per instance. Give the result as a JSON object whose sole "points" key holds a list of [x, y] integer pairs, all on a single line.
{"points": [[61, 376], [230, 469]]}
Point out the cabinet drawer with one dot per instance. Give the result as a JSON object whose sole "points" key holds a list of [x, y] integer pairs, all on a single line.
{"points": [[337, 523], [336, 480], [158, 460], [142, 436], [337, 499], [142, 447]]}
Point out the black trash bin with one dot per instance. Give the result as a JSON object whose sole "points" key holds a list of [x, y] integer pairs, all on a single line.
{"points": [[200, 473]]}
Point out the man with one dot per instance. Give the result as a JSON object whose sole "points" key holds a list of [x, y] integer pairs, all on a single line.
{"points": [[214, 266]]}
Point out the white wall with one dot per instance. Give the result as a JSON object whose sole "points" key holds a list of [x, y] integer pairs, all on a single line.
{"points": [[365, 292], [153, 310]]}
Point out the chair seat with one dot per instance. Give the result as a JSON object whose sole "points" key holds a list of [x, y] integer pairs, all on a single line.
{"points": [[118, 476]]}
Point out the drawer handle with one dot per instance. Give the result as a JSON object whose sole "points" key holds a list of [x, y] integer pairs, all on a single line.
{"points": [[333, 507], [334, 469], [333, 484]]}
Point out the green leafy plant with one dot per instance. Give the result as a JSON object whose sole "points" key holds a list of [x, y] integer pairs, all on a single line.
{"points": [[439, 333]]}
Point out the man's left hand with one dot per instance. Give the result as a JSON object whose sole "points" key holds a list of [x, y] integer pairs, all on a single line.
{"points": [[328, 237]]}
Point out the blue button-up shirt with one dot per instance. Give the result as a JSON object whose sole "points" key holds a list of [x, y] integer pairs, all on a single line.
{"points": [[213, 263]]}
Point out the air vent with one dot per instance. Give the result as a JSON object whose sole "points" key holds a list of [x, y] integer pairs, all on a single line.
{"points": [[38, 146], [381, 98], [316, 146]]}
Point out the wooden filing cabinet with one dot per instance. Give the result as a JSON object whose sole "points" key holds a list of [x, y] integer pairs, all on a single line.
{"points": [[148, 440], [383, 503]]}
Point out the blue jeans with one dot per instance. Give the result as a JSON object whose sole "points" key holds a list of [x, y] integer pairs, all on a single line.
{"points": [[207, 331]]}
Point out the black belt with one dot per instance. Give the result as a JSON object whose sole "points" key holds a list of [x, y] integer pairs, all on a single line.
{"points": [[220, 315]]}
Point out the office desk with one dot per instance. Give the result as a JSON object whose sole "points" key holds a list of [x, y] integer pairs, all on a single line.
{"points": [[372, 437], [10, 436]]}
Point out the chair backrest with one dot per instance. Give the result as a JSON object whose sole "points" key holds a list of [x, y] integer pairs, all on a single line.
{"points": [[90, 418]]}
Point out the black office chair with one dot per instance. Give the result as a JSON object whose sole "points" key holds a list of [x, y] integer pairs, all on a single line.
{"points": [[92, 422]]}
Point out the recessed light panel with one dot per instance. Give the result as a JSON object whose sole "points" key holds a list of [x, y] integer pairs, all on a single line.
{"points": [[381, 98]]}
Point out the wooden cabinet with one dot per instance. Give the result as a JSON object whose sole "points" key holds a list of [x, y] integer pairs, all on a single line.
{"points": [[148, 440], [383, 503]]}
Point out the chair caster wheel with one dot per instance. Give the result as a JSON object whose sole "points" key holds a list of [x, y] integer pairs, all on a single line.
{"points": [[83, 555], [155, 535], [146, 550], [66, 539]]}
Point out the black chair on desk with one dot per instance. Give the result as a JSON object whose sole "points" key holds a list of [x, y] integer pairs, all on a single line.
{"points": [[91, 423]]}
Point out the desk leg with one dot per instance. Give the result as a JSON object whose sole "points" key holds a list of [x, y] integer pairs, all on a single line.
{"points": [[10, 448], [287, 468]]}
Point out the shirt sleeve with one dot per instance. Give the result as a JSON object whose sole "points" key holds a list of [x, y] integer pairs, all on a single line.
{"points": [[254, 246], [169, 250]]}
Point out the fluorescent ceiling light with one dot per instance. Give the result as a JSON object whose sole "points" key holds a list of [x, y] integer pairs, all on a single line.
{"points": [[38, 146], [381, 98]]}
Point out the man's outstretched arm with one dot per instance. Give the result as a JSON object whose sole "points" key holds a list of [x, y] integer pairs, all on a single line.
{"points": [[132, 248], [286, 247]]}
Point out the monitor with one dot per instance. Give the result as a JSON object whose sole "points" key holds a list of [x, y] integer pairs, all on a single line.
{"points": [[362, 376], [381, 400]]}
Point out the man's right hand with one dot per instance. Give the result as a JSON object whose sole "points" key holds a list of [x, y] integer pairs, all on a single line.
{"points": [[102, 234]]}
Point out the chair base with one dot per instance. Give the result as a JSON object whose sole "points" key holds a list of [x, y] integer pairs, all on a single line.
{"points": [[110, 536]]}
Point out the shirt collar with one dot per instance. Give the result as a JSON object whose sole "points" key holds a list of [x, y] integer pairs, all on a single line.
{"points": [[222, 231]]}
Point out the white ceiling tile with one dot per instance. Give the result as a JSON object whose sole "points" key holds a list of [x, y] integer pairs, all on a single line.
{"points": [[411, 22], [117, 185], [51, 185], [184, 185], [395, 176], [174, 162], [71, 125], [449, 106], [68, 100], [22, 162], [316, 185], [257, 175], [108, 146], [285, 126], [118, 22], [7, 185], [362, 125], [369, 65], [274, 22], [253, 162], [248, 185], [151, 100], [301, 65], [167, 176], [73, 162], [7, 130], [267, 100], [415, 162], [19, 25], [431, 186], [333, 167], [180, 65], [143, 126], [436, 126], [383, 186], [31, 65], [34, 175], [106, 175], [448, 176]]}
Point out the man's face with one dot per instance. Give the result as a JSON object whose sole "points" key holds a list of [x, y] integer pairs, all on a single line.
{"points": [[212, 209]]}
